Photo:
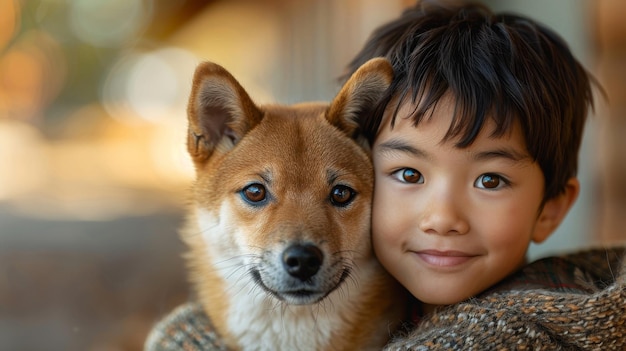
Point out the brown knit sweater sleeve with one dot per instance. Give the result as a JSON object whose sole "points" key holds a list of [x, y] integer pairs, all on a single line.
{"points": [[535, 319], [187, 328]]}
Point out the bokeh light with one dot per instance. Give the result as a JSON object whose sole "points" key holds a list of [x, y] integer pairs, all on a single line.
{"points": [[22, 151], [152, 86], [9, 19], [32, 72], [108, 22]]}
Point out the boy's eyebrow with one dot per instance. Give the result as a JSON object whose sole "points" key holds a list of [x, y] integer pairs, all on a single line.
{"points": [[399, 145], [506, 153]]}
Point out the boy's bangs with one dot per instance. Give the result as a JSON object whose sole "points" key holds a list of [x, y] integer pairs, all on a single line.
{"points": [[472, 107]]}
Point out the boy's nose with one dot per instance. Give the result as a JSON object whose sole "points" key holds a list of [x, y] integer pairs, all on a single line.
{"points": [[444, 215]]}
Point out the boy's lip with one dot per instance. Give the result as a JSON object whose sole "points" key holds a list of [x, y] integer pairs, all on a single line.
{"points": [[448, 258]]}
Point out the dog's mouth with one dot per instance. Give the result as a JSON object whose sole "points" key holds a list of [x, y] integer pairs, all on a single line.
{"points": [[300, 296]]}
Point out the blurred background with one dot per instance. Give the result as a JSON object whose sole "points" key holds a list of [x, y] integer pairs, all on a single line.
{"points": [[93, 169]]}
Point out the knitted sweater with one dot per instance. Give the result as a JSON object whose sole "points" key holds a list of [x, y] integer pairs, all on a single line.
{"points": [[572, 302]]}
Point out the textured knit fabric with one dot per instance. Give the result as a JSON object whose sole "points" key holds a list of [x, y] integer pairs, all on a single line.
{"points": [[187, 328], [572, 302], [575, 302]]}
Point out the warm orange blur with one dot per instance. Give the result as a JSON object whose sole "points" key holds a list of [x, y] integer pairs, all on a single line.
{"points": [[9, 20]]}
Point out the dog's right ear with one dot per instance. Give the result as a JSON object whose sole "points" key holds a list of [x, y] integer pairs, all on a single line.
{"points": [[359, 94], [218, 108]]}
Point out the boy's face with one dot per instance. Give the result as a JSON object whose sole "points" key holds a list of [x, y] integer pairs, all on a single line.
{"points": [[449, 223]]}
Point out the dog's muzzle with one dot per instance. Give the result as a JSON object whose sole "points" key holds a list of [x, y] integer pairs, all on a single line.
{"points": [[298, 275]]}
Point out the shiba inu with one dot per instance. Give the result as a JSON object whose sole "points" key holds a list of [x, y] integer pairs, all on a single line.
{"points": [[279, 236]]}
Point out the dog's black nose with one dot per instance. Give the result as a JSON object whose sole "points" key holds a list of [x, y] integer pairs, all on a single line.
{"points": [[302, 261]]}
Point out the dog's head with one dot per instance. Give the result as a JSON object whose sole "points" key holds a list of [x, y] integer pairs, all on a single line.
{"points": [[283, 192]]}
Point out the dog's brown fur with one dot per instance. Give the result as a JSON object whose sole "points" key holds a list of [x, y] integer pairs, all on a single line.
{"points": [[274, 177]]}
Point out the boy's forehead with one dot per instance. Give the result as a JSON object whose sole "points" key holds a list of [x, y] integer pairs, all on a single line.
{"points": [[404, 110], [402, 115]]}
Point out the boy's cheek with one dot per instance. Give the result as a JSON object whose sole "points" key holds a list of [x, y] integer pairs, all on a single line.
{"points": [[384, 208], [389, 225]]}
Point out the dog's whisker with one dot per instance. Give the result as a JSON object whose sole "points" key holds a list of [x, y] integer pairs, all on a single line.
{"points": [[275, 305], [234, 265], [202, 230], [231, 289], [234, 258]]}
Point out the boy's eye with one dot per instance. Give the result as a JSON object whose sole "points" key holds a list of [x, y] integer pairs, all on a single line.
{"points": [[489, 181], [408, 175]]}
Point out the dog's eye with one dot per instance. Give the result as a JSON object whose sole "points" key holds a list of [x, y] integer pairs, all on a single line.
{"points": [[341, 195], [254, 193]]}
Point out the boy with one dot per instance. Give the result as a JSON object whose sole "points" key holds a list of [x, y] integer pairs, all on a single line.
{"points": [[475, 156], [476, 150]]}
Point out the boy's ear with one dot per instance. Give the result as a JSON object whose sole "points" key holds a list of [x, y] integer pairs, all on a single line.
{"points": [[554, 210]]}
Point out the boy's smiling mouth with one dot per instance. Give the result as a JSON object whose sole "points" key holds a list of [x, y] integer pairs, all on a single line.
{"points": [[444, 259]]}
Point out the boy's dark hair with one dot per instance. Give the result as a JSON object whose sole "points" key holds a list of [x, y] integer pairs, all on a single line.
{"points": [[502, 65]]}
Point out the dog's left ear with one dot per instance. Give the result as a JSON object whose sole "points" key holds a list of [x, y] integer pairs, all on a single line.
{"points": [[218, 108], [360, 94]]}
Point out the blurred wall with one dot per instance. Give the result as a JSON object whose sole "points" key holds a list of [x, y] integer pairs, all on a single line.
{"points": [[610, 45]]}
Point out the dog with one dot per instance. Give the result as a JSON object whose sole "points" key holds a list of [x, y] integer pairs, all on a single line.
{"points": [[280, 254]]}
